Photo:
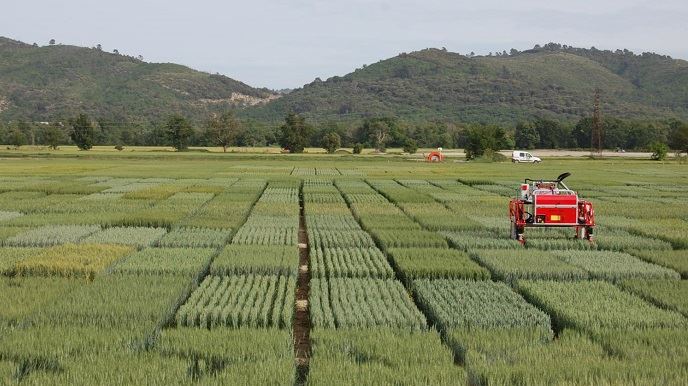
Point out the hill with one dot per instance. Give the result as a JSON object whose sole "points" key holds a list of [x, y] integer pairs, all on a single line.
{"points": [[553, 81], [59, 81]]}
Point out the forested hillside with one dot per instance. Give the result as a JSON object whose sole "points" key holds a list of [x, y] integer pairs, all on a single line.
{"points": [[57, 82], [554, 81]]}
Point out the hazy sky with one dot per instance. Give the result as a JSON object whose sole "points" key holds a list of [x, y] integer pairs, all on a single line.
{"points": [[280, 44]]}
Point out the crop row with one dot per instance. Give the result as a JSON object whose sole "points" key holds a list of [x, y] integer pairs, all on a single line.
{"points": [[117, 301], [530, 356], [349, 262], [515, 264], [10, 256], [196, 237], [166, 261], [52, 235], [21, 297], [476, 304], [592, 305], [232, 356], [362, 303], [326, 238], [668, 294], [256, 259], [236, 301], [676, 260], [70, 260], [610, 265], [418, 263], [266, 236], [331, 221], [381, 356]]}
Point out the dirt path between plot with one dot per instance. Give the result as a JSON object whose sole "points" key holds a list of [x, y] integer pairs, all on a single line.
{"points": [[302, 321]]}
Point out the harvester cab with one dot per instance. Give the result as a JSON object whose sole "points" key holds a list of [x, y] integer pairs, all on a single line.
{"points": [[550, 203]]}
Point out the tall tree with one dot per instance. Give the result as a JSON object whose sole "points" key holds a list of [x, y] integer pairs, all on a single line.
{"points": [[331, 142], [16, 138], [82, 133], [223, 130], [53, 137], [679, 135], [553, 134], [295, 133], [526, 136], [378, 132], [480, 139], [179, 131]]}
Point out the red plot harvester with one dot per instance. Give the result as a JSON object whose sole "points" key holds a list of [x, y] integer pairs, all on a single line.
{"points": [[544, 203]]}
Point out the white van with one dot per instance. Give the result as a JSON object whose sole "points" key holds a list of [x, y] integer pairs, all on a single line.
{"points": [[523, 156]]}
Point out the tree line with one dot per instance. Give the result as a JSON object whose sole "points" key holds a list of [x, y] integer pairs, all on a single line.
{"points": [[295, 134]]}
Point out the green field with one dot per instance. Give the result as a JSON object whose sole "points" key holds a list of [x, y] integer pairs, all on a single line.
{"points": [[167, 268]]}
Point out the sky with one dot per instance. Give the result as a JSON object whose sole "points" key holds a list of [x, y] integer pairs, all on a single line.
{"points": [[285, 44]]}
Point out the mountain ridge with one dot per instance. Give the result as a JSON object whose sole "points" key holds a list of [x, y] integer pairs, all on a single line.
{"points": [[552, 81], [58, 81]]}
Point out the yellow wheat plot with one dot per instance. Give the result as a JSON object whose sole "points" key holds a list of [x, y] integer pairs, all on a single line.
{"points": [[73, 260]]}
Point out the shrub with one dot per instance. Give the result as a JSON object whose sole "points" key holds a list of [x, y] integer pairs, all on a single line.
{"points": [[476, 304], [362, 303], [417, 263], [358, 148], [240, 301], [659, 151]]}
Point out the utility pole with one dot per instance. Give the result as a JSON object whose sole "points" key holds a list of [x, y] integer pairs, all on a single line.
{"points": [[596, 134]]}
